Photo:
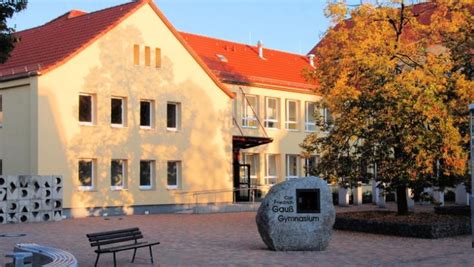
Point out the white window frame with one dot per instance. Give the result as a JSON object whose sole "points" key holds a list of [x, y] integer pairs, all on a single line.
{"points": [[253, 163], [287, 113], [177, 106], [277, 106], [124, 175], [267, 169], [152, 111], [93, 172], [152, 174], [92, 122], [178, 174], [306, 163], [247, 118], [287, 167], [124, 111], [310, 115], [326, 115]]}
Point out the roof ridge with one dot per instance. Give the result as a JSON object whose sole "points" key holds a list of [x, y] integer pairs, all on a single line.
{"points": [[239, 43]]}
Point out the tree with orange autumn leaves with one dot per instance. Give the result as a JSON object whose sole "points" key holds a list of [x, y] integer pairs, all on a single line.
{"points": [[398, 79]]}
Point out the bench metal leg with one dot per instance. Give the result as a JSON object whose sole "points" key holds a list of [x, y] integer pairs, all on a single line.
{"points": [[97, 259], [151, 254], [134, 253], [115, 262]]}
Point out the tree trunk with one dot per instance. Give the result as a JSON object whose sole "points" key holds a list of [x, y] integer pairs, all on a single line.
{"points": [[402, 203]]}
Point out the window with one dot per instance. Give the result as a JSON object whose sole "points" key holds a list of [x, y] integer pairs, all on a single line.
{"points": [[117, 174], [310, 165], [173, 116], [1, 111], [174, 172], [310, 122], [291, 115], [327, 117], [86, 174], [117, 117], [146, 113], [250, 109], [147, 173], [147, 56], [271, 169], [158, 57], [271, 112], [1, 167], [253, 161], [86, 109], [136, 54], [292, 166]]}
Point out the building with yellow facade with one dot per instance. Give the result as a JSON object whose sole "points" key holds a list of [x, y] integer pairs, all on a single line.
{"points": [[138, 116]]}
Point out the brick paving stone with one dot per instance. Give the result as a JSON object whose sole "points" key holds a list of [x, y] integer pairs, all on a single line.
{"points": [[232, 239]]}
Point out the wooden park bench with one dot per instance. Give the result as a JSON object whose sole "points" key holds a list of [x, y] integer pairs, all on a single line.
{"points": [[119, 240]]}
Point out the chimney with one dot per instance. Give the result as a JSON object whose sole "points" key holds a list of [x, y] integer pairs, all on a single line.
{"points": [[311, 59], [260, 49]]}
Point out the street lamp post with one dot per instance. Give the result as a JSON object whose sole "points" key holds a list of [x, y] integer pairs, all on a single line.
{"points": [[471, 119]]}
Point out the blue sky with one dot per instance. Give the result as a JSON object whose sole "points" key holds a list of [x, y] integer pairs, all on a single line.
{"points": [[288, 25]]}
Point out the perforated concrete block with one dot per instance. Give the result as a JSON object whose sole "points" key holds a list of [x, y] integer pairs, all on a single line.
{"points": [[35, 205], [24, 181], [36, 216], [12, 181], [24, 206], [36, 192], [58, 192], [57, 180], [46, 204], [25, 193], [46, 193], [3, 207], [57, 215], [12, 206], [13, 193], [3, 181], [47, 181], [57, 204], [12, 217], [24, 217], [3, 218], [46, 216], [3, 194]]}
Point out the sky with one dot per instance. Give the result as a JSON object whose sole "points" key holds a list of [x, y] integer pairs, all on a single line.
{"points": [[288, 25]]}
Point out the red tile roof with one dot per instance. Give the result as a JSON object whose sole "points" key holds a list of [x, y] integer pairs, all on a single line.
{"points": [[47, 46], [240, 63]]}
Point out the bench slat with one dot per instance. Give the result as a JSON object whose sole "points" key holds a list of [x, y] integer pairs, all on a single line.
{"points": [[116, 235], [113, 232], [115, 240]]}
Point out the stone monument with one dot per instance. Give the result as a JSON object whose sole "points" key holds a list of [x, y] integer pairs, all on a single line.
{"points": [[297, 214]]}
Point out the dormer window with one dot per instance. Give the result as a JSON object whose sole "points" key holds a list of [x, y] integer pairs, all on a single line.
{"points": [[222, 58]]}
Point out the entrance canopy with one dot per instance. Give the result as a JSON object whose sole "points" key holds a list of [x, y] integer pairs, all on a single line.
{"points": [[243, 142]]}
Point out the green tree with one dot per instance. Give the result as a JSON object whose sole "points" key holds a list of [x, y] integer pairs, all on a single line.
{"points": [[7, 37], [398, 81]]}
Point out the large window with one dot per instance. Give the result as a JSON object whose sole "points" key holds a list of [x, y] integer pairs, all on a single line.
{"points": [[173, 111], [311, 164], [86, 174], [292, 166], [271, 169], [86, 109], [250, 111], [291, 115], [118, 172], [1, 111], [326, 116], [253, 161], [174, 174], [310, 122], [146, 114], [271, 112], [147, 173], [118, 110]]}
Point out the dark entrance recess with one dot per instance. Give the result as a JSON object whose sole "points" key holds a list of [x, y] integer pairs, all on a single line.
{"points": [[242, 171], [308, 201]]}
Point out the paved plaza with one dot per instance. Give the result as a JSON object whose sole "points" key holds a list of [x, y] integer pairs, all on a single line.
{"points": [[232, 239]]}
